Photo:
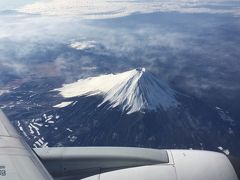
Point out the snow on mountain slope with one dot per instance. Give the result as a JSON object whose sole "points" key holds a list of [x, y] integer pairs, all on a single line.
{"points": [[132, 91]]}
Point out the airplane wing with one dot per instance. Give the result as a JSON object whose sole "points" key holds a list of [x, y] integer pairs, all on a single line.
{"points": [[17, 160]]}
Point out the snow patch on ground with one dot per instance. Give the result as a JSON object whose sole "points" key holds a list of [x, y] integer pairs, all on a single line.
{"points": [[44, 116], [21, 128], [68, 129], [48, 118], [3, 106], [33, 129], [38, 124], [225, 151], [63, 104], [40, 143], [72, 138]]}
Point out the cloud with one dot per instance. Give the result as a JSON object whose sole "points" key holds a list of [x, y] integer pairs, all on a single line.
{"points": [[187, 49], [83, 45], [35, 39], [101, 9]]}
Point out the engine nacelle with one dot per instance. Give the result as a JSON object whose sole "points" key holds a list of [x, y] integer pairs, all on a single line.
{"points": [[183, 165], [115, 163]]}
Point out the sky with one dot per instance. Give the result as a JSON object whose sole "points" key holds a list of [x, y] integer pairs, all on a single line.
{"points": [[98, 9], [13, 4], [95, 9]]}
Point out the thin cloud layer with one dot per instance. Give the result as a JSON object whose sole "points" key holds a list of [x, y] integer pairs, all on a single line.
{"points": [[101, 9], [187, 49]]}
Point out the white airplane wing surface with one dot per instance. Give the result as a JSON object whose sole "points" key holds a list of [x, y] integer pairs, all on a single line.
{"points": [[17, 160]]}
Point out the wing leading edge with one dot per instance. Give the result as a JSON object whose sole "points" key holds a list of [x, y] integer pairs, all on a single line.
{"points": [[17, 160]]}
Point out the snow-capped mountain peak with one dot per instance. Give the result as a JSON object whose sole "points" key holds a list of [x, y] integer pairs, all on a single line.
{"points": [[132, 91]]}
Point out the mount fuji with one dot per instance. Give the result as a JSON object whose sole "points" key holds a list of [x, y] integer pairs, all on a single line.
{"points": [[133, 91]]}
